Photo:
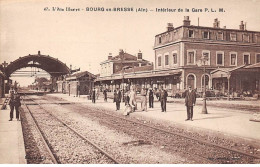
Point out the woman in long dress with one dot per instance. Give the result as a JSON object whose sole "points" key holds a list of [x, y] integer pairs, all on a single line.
{"points": [[132, 101]]}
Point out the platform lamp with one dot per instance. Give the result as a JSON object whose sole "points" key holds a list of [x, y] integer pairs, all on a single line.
{"points": [[201, 62]]}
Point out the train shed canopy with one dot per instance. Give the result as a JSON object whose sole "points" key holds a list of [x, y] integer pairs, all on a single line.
{"points": [[51, 65]]}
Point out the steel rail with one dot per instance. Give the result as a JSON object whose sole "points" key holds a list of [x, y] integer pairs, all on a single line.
{"points": [[188, 137], [53, 157], [80, 135], [182, 135]]}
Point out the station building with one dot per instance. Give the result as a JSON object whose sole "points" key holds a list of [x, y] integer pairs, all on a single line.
{"points": [[230, 58], [183, 48]]}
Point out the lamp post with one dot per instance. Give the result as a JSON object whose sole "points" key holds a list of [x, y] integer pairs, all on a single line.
{"points": [[204, 107]]}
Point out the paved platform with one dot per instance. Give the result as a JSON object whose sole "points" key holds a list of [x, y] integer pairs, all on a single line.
{"points": [[230, 122], [12, 150]]}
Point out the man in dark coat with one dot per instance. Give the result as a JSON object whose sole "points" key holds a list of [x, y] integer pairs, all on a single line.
{"points": [[14, 103], [93, 96], [117, 98], [190, 100], [163, 98], [105, 94], [151, 98]]}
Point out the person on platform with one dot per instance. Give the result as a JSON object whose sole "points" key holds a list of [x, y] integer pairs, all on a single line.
{"points": [[163, 98], [151, 98], [117, 98], [132, 101], [190, 100], [105, 95], [93, 95], [143, 99], [127, 98], [14, 103]]}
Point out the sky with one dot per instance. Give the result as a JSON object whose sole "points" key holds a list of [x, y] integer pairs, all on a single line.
{"points": [[83, 39]]}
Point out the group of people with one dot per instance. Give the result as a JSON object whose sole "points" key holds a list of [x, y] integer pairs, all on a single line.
{"points": [[131, 100]]}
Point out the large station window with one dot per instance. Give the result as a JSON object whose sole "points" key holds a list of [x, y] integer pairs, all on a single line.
{"points": [[205, 34], [207, 81], [191, 34], [246, 59], [245, 38], [159, 61], [191, 57], [191, 80], [233, 59], [206, 56], [220, 36], [233, 37], [257, 58], [174, 58], [166, 60], [220, 58]]}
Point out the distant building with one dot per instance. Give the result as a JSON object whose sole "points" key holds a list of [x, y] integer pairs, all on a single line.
{"points": [[79, 83], [121, 70]]}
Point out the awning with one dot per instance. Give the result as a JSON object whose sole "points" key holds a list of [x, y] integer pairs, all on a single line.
{"points": [[140, 75]]}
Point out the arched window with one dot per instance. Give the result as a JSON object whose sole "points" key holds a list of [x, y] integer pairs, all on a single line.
{"points": [[207, 81], [191, 80]]}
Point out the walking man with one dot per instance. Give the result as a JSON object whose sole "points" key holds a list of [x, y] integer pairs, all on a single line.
{"points": [[14, 103], [143, 99], [94, 96], [117, 98], [163, 99], [151, 98], [190, 100], [105, 94]]}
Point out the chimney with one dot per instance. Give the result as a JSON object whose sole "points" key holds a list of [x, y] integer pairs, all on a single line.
{"points": [[109, 56], [121, 54], [139, 55], [224, 27], [186, 21], [39, 52], [216, 23], [242, 26], [170, 27]]}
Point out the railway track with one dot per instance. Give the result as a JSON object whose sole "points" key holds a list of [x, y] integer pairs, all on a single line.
{"points": [[48, 144], [210, 151], [174, 141]]}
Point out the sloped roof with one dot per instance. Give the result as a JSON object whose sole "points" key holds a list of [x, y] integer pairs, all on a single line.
{"points": [[137, 69], [126, 57], [79, 75], [256, 65], [227, 69]]}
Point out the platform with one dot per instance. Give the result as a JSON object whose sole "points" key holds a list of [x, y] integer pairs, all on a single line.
{"points": [[12, 150], [224, 121]]}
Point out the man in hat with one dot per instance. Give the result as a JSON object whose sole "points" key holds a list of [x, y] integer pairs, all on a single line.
{"points": [[163, 98], [143, 99], [14, 103], [151, 98], [94, 95], [190, 100], [117, 98]]}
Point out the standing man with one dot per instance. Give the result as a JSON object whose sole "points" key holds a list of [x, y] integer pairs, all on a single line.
{"points": [[143, 99], [190, 100], [151, 98], [105, 94], [94, 96], [163, 99], [117, 98], [14, 103]]}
